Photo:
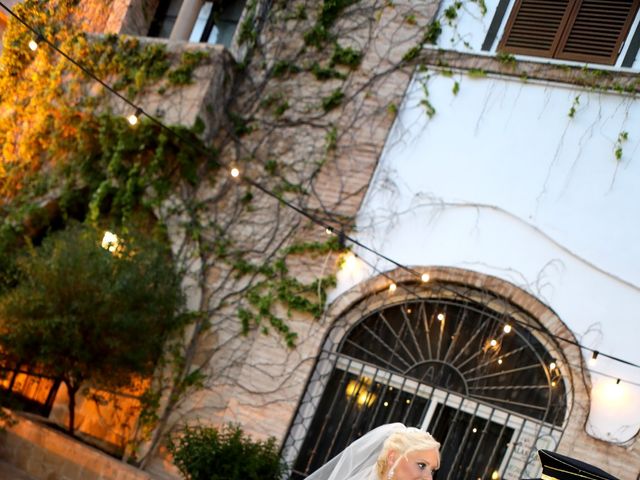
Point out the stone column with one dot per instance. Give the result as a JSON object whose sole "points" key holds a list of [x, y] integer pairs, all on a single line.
{"points": [[187, 17]]}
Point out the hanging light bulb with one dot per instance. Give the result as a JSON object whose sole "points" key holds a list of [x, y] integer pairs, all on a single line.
{"points": [[553, 365], [493, 342], [594, 357], [110, 242], [349, 262], [507, 328], [440, 317], [33, 45], [134, 117], [393, 287], [235, 173], [425, 277]]}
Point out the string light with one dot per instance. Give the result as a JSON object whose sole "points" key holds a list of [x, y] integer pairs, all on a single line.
{"points": [[328, 230], [507, 328], [393, 287], [33, 45], [134, 117], [553, 365], [349, 262], [594, 357], [493, 342], [441, 317], [425, 277], [499, 361], [235, 173], [110, 242], [90, 74]]}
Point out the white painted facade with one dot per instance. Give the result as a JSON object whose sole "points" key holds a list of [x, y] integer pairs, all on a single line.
{"points": [[503, 181]]}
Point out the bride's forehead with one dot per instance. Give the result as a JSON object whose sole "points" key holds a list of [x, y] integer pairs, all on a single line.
{"points": [[425, 455]]}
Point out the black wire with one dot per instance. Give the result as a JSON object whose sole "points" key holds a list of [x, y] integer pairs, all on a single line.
{"points": [[268, 192]]}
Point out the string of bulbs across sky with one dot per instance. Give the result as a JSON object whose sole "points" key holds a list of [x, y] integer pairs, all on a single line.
{"points": [[235, 173]]}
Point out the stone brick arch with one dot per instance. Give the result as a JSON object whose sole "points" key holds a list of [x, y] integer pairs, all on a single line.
{"points": [[497, 295]]}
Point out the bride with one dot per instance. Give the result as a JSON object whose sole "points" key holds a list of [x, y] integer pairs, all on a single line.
{"points": [[389, 452]]}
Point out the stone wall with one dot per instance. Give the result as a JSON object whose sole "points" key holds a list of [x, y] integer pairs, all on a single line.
{"points": [[46, 454]]}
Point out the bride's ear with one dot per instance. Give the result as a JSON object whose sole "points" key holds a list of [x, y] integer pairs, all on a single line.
{"points": [[392, 456]]}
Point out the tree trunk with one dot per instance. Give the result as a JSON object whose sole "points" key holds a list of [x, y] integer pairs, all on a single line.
{"points": [[72, 389]]}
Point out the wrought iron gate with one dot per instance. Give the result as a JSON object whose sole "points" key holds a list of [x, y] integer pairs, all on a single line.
{"points": [[463, 366]]}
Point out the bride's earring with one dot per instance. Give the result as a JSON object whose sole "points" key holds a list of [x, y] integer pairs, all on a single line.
{"points": [[390, 474]]}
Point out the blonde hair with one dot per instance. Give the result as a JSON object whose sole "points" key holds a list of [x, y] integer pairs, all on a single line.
{"points": [[404, 442]]}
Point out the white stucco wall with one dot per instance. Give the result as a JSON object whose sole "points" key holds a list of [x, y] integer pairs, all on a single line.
{"points": [[502, 181]]}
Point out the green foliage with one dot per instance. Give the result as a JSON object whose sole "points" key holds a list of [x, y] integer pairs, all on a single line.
{"points": [[240, 125], [428, 106], [300, 13], [332, 101], [622, 138], [456, 88], [80, 312], [482, 5], [329, 13], [183, 73], [283, 68], [323, 73], [432, 33], [331, 10], [247, 33], [348, 57], [274, 286], [271, 166], [574, 106], [476, 73], [316, 36], [430, 36], [451, 13], [506, 59], [207, 453], [276, 103], [412, 53], [331, 139]]}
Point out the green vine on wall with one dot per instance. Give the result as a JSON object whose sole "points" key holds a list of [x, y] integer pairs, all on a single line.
{"points": [[620, 141]]}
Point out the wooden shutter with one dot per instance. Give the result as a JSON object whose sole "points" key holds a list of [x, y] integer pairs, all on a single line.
{"points": [[596, 30], [535, 27]]}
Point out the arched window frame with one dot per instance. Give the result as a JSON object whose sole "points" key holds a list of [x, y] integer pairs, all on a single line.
{"points": [[357, 304]]}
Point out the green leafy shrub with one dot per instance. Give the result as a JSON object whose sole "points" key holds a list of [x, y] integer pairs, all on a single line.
{"points": [[207, 453]]}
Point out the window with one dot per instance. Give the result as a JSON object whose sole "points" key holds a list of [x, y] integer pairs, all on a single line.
{"points": [[216, 21], [165, 19], [458, 363], [580, 30]]}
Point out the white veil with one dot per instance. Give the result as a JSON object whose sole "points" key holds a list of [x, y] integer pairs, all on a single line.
{"points": [[358, 460]]}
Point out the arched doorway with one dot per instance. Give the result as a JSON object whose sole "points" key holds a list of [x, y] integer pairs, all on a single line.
{"points": [[473, 368]]}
